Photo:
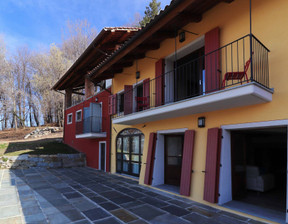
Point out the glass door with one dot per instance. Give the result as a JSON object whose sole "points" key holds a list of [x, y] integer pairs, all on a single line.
{"points": [[129, 153], [173, 159]]}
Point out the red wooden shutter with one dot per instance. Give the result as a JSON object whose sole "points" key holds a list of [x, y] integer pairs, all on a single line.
{"points": [[212, 61], [150, 159], [112, 104], [128, 99], [211, 185], [146, 91], [159, 86], [187, 161]]}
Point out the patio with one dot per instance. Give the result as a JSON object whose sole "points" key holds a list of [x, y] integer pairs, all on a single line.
{"points": [[85, 195]]}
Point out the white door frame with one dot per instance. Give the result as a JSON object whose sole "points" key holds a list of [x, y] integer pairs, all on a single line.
{"points": [[225, 180], [99, 163], [158, 171]]}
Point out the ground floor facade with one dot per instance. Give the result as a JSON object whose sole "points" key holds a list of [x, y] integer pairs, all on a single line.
{"points": [[87, 129], [237, 161]]}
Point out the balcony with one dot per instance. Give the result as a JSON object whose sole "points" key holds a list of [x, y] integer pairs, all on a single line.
{"points": [[90, 127], [234, 75]]}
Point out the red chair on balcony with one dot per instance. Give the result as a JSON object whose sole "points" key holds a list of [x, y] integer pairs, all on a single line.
{"points": [[142, 103], [237, 75]]}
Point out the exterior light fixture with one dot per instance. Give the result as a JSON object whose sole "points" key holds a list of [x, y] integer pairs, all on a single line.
{"points": [[182, 36], [96, 99], [201, 122], [137, 74]]}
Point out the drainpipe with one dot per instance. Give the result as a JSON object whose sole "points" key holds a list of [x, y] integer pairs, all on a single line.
{"points": [[251, 41]]}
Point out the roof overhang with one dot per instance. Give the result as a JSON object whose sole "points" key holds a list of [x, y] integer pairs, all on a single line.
{"points": [[106, 42], [166, 25]]}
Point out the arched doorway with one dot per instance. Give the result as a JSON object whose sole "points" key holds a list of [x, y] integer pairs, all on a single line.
{"points": [[129, 150]]}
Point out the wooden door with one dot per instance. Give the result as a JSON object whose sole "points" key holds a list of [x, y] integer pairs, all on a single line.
{"points": [[173, 159], [102, 156]]}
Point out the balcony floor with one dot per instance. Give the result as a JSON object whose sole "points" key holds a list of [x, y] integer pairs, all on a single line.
{"points": [[242, 95]]}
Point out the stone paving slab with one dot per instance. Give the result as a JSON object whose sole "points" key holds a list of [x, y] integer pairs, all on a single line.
{"points": [[85, 196]]}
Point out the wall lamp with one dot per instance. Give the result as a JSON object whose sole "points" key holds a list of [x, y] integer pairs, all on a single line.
{"points": [[182, 36], [201, 122], [137, 74]]}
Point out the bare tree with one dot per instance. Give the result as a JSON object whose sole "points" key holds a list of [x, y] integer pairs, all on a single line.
{"points": [[136, 21], [26, 79], [21, 70], [76, 38], [48, 68]]}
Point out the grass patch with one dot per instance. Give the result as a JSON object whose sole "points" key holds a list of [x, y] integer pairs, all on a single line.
{"points": [[38, 147], [3, 147], [4, 159]]}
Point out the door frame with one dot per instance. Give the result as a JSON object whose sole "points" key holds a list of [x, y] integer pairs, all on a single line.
{"points": [[158, 171], [225, 179], [99, 163]]}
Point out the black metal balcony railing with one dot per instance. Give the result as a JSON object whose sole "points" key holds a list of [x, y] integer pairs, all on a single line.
{"points": [[92, 124], [241, 61]]}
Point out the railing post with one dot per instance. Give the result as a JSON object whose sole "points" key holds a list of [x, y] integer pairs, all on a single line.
{"points": [[251, 53]]}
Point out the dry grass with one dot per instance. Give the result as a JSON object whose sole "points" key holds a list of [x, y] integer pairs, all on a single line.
{"points": [[12, 134], [35, 147], [12, 143]]}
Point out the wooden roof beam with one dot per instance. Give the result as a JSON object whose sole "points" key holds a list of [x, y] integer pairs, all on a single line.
{"points": [[150, 46], [165, 34], [123, 64], [135, 56], [227, 1], [186, 17], [75, 92]]}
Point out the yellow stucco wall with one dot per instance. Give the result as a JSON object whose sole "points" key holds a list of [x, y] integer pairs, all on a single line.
{"points": [[269, 25]]}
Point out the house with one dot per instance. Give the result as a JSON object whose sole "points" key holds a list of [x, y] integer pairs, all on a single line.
{"points": [[199, 105], [87, 123]]}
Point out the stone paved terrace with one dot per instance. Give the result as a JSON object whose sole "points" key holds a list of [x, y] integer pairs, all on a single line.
{"points": [[84, 195]]}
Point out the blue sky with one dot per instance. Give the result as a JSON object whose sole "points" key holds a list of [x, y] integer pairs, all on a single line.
{"points": [[38, 23]]}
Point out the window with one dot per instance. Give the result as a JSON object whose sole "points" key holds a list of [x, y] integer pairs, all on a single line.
{"points": [[78, 115], [120, 99], [69, 118]]}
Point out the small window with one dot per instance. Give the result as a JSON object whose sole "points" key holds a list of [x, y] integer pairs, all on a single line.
{"points": [[78, 115], [69, 118]]}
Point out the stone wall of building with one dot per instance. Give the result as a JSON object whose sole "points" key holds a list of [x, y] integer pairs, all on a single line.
{"points": [[47, 161]]}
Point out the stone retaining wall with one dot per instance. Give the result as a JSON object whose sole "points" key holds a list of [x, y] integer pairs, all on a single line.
{"points": [[47, 161]]}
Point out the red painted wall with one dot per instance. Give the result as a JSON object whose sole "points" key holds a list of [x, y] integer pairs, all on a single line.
{"points": [[89, 146]]}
